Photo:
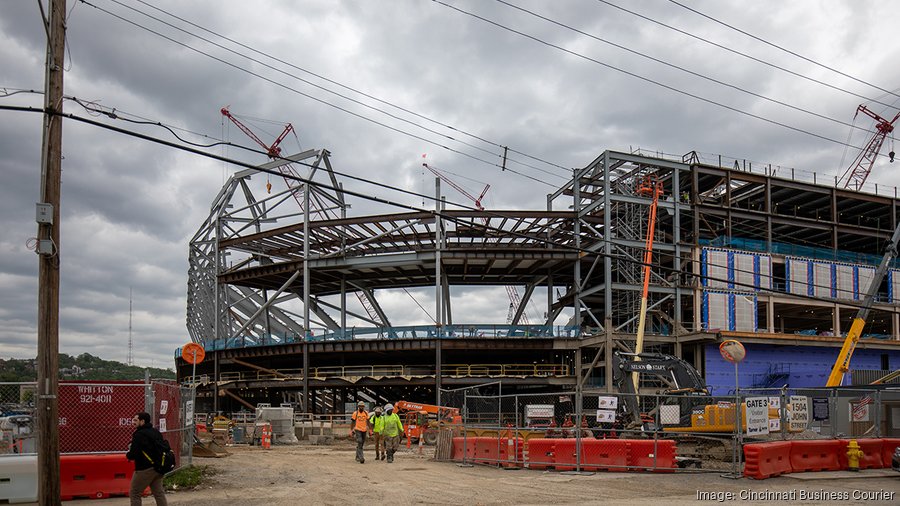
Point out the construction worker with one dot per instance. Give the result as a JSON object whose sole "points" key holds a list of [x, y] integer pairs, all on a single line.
{"points": [[359, 427], [392, 430], [377, 423]]}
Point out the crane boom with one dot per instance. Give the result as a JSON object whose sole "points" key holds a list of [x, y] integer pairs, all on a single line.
{"points": [[842, 364], [273, 150], [651, 187], [859, 170], [458, 188]]}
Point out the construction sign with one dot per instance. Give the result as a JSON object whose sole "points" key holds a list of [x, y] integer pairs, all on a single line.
{"points": [[757, 416]]}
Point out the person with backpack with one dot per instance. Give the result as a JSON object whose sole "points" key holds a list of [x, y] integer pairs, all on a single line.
{"points": [[150, 452]]}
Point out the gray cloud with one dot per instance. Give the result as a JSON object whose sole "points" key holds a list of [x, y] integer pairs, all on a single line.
{"points": [[130, 207]]}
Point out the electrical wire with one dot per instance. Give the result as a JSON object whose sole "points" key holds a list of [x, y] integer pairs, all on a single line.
{"points": [[754, 37], [309, 83], [749, 57], [324, 102], [677, 67], [341, 85], [372, 198], [638, 76]]}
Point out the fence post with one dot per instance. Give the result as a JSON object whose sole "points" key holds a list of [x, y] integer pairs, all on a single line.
{"points": [[876, 418], [578, 415], [782, 409]]}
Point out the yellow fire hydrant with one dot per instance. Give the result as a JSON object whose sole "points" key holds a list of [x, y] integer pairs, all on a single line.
{"points": [[853, 455]]}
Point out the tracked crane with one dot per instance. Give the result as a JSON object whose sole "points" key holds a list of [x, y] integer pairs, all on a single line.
{"points": [[859, 170]]}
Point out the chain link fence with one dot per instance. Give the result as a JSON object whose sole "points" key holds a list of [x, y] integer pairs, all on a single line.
{"points": [[96, 416], [595, 431]]}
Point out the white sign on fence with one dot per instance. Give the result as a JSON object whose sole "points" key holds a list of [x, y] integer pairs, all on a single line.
{"points": [[604, 402], [775, 402], [670, 414], [189, 413], [799, 413], [774, 424], [757, 416], [606, 416]]}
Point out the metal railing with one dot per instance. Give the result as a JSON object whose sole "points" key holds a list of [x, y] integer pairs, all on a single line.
{"points": [[453, 370]]}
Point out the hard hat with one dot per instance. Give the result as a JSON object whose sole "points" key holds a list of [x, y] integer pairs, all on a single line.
{"points": [[378, 409], [388, 407], [361, 403]]}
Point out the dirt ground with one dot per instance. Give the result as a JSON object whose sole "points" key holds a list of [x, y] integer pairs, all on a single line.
{"points": [[305, 474]]}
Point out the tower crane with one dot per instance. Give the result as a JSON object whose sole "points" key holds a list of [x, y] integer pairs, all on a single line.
{"points": [[292, 179], [859, 170]]}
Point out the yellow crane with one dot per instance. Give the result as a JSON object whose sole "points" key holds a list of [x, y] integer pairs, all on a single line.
{"points": [[842, 365]]}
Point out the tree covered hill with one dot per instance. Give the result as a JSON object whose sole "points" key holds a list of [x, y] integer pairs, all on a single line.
{"points": [[82, 367]]}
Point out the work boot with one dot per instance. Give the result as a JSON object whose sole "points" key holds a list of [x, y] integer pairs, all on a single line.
{"points": [[362, 461]]}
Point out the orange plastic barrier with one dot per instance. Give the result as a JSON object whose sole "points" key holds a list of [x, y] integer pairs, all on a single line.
{"points": [[462, 449], [564, 455], [541, 453], [487, 450], [96, 476], [506, 452], [651, 455], [604, 454], [764, 460], [822, 455], [887, 451], [872, 453]]}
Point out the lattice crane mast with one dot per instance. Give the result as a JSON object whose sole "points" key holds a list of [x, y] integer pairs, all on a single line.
{"points": [[291, 179], [859, 170], [514, 303]]}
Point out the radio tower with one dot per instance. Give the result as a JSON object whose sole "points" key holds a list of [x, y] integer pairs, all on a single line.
{"points": [[130, 359]]}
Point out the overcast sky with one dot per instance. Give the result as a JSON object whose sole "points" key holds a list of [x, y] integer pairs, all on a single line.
{"points": [[129, 207]]}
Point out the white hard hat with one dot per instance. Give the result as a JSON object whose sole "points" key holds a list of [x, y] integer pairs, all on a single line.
{"points": [[388, 407]]}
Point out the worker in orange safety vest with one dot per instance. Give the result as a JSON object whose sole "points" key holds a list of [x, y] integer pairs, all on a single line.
{"points": [[359, 427]]}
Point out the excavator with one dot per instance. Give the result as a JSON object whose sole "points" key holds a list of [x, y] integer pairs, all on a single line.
{"points": [[424, 420], [698, 412]]}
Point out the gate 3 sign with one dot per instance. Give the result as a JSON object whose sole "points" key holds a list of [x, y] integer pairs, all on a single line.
{"points": [[757, 416]]}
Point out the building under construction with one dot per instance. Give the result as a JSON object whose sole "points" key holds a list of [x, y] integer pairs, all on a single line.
{"points": [[775, 258]]}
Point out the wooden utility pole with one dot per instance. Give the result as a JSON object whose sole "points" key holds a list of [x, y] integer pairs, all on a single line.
{"points": [[47, 405]]}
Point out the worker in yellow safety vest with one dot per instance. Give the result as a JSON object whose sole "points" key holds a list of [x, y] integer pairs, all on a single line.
{"points": [[392, 430], [377, 423], [359, 427]]}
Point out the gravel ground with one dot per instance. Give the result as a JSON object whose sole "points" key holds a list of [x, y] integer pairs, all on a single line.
{"points": [[305, 474]]}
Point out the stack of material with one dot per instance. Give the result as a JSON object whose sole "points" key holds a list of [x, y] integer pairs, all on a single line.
{"points": [[443, 447], [282, 420]]}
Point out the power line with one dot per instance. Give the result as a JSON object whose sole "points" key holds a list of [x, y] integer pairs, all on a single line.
{"points": [[307, 82], [783, 49], [682, 69], [349, 88], [638, 76], [745, 55], [369, 197]]}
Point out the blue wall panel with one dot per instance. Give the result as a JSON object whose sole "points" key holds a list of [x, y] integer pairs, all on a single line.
{"points": [[807, 366]]}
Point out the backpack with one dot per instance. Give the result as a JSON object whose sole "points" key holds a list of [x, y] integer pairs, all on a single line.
{"points": [[163, 459]]}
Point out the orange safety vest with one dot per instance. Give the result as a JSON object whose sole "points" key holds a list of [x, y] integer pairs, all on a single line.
{"points": [[361, 419]]}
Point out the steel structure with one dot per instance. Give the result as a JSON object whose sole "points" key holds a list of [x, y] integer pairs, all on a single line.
{"points": [[257, 271]]}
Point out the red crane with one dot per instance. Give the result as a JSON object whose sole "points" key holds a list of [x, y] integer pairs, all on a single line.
{"points": [[291, 178], [460, 189], [859, 170], [274, 151]]}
